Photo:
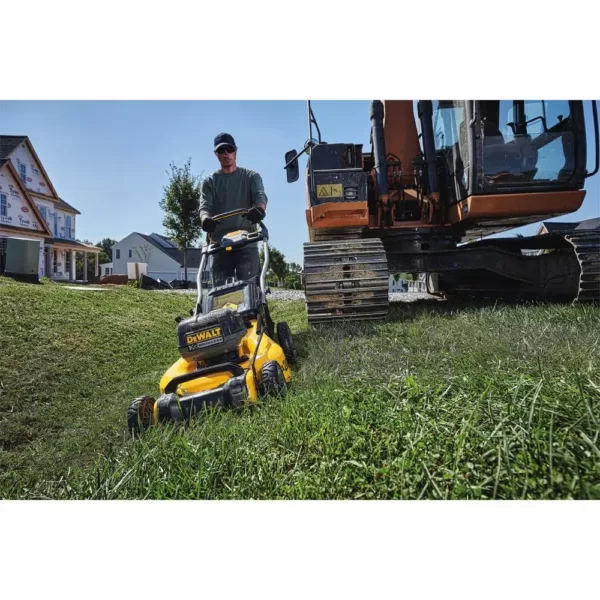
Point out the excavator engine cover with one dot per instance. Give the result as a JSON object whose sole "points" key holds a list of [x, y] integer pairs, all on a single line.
{"points": [[338, 174]]}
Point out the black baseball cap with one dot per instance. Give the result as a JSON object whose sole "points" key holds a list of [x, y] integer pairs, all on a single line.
{"points": [[224, 139]]}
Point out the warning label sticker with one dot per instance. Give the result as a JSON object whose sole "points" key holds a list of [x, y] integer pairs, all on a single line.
{"points": [[333, 190]]}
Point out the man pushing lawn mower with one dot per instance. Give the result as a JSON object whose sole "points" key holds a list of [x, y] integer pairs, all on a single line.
{"points": [[232, 188]]}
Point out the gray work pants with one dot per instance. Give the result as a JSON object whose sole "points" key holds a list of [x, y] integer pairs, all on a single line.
{"points": [[243, 263]]}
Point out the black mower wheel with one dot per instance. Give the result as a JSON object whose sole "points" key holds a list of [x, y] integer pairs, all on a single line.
{"points": [[273, 381], [286, 341], [139, 414]]}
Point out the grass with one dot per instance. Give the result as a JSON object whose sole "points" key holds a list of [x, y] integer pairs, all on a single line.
{"points": [[439, 401]]}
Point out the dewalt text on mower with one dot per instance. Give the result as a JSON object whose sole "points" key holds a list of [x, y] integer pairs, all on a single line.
{"points": [[229, 356]]}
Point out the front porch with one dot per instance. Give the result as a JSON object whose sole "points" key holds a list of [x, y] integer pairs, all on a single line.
{"points": [[60, 260]]}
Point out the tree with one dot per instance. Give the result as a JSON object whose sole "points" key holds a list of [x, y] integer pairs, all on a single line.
{"points": [[181, 204], [106, 255], [278, 268]]}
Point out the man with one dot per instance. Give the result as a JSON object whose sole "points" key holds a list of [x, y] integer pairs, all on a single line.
{"points": [[227, 189]]}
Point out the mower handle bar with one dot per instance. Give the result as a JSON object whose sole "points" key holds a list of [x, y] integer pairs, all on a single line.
{"points": [[263, 274]]}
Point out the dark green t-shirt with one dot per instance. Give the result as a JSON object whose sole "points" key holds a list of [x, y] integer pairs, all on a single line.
{"points": [[224, 192]]}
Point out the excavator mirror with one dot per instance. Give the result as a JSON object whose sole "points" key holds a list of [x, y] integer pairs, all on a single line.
{"points": [[292, 169]]}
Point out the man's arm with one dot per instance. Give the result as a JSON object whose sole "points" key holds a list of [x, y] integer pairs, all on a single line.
{"points": [[257, 189], [206, 200]]}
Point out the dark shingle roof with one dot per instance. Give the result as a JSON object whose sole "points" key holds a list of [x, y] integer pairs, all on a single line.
{"points": [[590, 224], [66, 206], [194, 255], [67, 242], [8, 143], [558, 227]]}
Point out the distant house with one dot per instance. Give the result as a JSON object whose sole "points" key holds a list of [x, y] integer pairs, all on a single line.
{"points": [[561, 227], [163, 257], [106, 269], [555, 227], [408, 285], [37, 227], [550, 227]]}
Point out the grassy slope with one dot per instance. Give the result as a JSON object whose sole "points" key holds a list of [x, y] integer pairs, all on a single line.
{"points": [[436, 402]]}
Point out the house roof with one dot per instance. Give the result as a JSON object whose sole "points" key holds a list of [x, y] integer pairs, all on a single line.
{"points": [[60, 203], [590, 224], [194, 255], [66, 206], [8, 143], [558, 227], [66, 242], [561, 227]]}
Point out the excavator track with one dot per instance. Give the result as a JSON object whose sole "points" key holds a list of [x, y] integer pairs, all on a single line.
{"points": [[346, 279], [587, 249]]}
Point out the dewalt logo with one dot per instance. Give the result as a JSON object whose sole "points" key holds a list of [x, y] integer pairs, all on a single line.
{"points": [[203, 336]]}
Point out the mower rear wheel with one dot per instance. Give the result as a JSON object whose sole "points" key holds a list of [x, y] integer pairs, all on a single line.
{"points": [[139, 414], [286, 341], [273, 381]]}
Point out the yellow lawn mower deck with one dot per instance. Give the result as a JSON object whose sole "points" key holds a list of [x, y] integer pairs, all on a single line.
{"points": [[229, 356]]}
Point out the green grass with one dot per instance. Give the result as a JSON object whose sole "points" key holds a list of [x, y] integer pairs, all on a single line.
{"points": [[438, 401]]}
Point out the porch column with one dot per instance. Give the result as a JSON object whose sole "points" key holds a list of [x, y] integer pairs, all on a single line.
{"points": [[72, 275], [85, 266], [96, 271]]}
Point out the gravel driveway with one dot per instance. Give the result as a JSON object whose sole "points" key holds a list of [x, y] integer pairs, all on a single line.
{"points": [[299, 295]]}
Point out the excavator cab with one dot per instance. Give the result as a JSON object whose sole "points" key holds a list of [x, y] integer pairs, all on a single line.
{"points": [[508, 146]]}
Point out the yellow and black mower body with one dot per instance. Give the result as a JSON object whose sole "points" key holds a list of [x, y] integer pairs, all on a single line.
{"points": [[229, 356]]}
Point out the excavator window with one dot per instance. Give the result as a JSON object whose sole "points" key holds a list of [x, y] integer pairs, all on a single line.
{"points": [[451, 144], [526, 142]]}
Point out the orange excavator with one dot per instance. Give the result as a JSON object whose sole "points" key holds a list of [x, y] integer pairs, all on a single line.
{"points": [[441, 176]]}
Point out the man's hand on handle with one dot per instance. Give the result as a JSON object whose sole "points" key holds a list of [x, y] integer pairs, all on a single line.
{"points": [[256, 214], [209, 224]]}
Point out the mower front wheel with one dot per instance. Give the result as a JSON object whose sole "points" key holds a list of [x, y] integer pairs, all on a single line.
{"points": [[273, 381]]}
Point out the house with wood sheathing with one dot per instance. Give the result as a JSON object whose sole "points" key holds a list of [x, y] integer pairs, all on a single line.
{"points": [[37, 227]]}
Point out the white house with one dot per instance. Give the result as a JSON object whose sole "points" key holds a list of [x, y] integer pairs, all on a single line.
{"points": [[163, 257], [37, 227], [408, 285], [106, 268]]}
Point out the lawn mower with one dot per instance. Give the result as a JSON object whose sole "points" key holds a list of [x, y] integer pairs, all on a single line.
{"points": [[229, 356]]}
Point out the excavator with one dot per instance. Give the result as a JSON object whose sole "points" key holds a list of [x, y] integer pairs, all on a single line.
{"points": [[441, 177]]}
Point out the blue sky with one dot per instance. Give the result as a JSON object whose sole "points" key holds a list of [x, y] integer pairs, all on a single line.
{"points": [[109, 159]]}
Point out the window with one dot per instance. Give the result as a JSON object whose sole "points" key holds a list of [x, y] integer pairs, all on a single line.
{"points": [[23, 172], [118, 254], [527, 142], [55, 224], [130, 253], [68, 232], [450, 138], [3, 205], [43, 212]]}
